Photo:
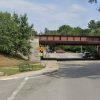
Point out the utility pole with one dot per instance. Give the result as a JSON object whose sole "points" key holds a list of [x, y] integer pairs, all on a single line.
{"points": [[81, 49]]}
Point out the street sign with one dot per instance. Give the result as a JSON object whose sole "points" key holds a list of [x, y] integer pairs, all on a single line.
{"points": [[40, 49]]}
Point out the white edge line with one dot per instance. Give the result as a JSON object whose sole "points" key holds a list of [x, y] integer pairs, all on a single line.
{"points": [[12, 97]]}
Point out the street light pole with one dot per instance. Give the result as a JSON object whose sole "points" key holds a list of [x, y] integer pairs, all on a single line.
{"points": [[81, 48]]}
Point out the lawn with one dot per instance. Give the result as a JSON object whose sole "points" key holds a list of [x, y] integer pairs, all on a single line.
{"points": [[15, 69], [9, 61], [10, 66]]}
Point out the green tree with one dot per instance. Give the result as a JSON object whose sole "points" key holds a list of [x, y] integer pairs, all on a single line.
{"points": [[94, 27], [65, 30], [23, 35], [7, 28], [77, 31], [92, 24], [98, 25], [15, 34], [92, 1], [50, 32], [46, 31]]}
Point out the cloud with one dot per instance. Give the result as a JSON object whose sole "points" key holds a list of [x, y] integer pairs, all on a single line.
{"points": [[48, 14], [23, 6], [75, 8]]}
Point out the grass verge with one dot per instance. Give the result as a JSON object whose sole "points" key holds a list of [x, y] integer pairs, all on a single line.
{"points": [[15, 69]]}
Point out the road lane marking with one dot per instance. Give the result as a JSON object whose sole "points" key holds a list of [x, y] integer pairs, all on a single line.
{"points": [[12, 97]]}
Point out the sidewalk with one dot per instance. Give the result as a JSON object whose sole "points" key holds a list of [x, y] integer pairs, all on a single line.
{"points": [[50, 67]]}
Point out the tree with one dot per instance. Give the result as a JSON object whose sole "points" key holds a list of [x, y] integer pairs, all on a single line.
{"points": [[77, 31], [94, 27], [7, 28], [98, 25], [50, 32], [65, 30], [23, 35], [46, 31], [15, 34], [92, 1], [92, 24]]}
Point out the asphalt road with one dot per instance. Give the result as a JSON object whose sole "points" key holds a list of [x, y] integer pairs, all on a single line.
{"points": [[65, 55], [68, 55], [75, 80]]}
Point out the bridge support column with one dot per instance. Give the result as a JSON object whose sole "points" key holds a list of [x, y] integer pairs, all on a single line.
{"points": [[98, 51], [34, 56]]}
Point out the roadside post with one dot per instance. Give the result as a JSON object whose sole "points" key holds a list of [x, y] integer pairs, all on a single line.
{"points": [[41, 51]]}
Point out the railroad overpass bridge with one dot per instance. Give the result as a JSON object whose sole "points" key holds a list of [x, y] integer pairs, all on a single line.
{"points": [[68, 40], [61, 40]]}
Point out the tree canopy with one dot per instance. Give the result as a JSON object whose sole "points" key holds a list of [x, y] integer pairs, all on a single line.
{"points": [[92, 29], [15, 33], [92, 1]]}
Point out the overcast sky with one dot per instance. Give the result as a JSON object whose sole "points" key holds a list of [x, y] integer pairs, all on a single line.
{"points": [[53, 13]]}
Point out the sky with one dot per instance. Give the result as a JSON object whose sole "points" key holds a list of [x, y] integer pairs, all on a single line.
{"points": [[52, 14]]}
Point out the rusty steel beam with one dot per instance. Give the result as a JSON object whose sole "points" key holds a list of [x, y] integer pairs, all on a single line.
{"points": [[68, 40]]}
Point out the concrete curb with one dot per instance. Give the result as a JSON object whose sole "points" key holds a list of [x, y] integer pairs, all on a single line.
{"points": [[51, 66]]}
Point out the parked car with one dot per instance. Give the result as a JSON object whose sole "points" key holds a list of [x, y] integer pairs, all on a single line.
{"points": [[86, 55], [50, 51], [60, 51]]}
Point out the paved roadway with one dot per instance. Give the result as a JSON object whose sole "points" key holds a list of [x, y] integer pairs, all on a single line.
{"points": [[68, 55], [65, 55], [75, 80]]}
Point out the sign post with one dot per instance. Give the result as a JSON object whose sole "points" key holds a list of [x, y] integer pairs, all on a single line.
{"points": [[41, 51]]}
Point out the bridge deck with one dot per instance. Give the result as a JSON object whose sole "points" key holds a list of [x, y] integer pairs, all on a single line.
{"points": [[68, 40]]}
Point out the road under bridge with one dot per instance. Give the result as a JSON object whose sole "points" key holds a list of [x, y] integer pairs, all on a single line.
{"points": [[69, 40]]}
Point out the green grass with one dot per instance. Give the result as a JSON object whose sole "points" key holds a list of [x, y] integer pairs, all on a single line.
{"points": [[15, 69], [37, 67], [9, 70]]}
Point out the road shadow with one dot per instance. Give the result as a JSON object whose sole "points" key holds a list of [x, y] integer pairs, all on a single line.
{"points": [[69, 59], [91, 71]]}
